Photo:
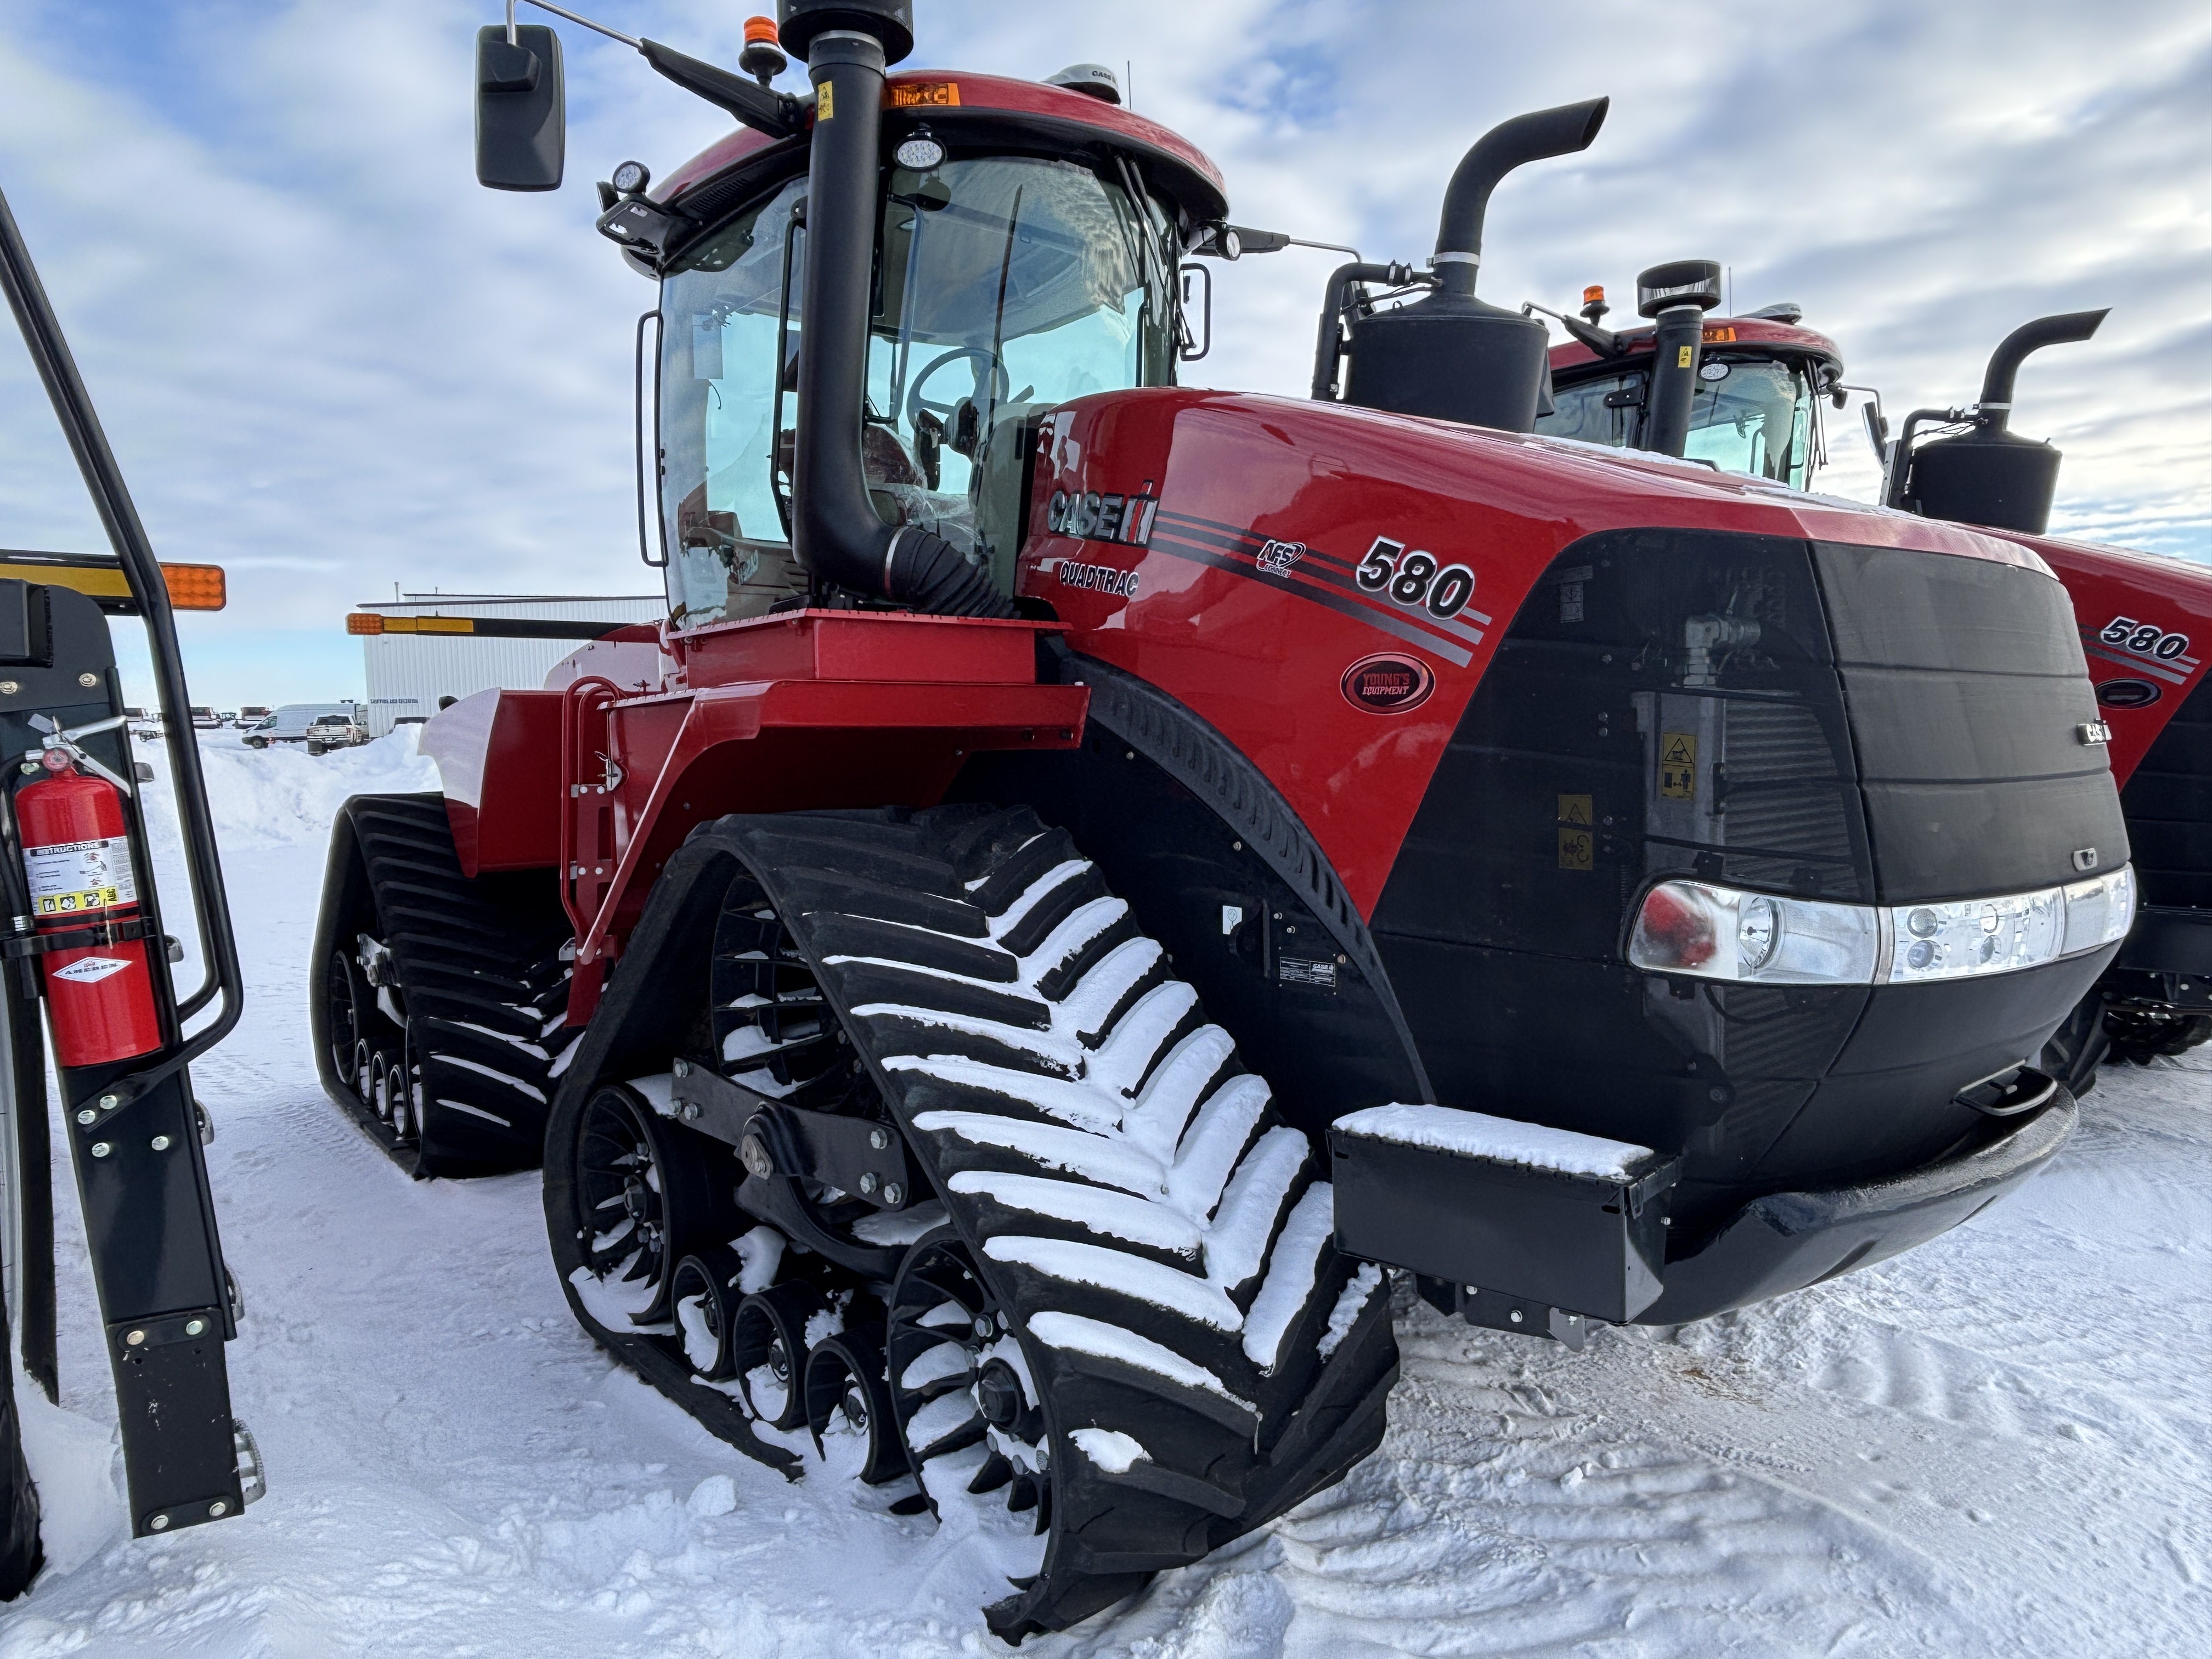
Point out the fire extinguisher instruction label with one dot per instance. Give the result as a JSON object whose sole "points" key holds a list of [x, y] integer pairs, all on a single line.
{"points": [[80, 875]]}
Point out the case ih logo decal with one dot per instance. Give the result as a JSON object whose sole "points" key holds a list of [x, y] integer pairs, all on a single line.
{"points": [[1413, 580], [1097, 518], [1389, 683], [1276, 558], [1099, 578]]}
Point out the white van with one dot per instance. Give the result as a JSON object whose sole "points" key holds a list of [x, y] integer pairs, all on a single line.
{"points": [[320, 726]]}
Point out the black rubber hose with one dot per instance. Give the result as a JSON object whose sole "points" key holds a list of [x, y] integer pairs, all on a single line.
{"points": [[1531, 137], [2004, 362], [930, 573], [1328, 346]]}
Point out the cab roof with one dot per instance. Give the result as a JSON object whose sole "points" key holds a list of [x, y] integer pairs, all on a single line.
{"points": [[1755, 332], [956, 105]]}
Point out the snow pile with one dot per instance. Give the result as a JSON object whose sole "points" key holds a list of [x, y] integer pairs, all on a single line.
{"points": [[281, 795], [1477, 1134], [1995, 1443]]}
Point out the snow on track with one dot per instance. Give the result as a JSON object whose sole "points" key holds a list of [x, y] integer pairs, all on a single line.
{"points": [[2001, 1442]]}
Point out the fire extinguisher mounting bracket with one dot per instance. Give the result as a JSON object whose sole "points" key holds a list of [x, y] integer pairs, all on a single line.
{"points": [[92, 934]]}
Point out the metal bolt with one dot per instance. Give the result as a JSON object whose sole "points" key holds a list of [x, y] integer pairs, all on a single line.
{"points": [[159, 1522], [87, 1115], [88, 681], [894, 1194], [682, 1068], [194, 1326], [982, 1326], [868, 1183], [218, 1508], [1515, 1315], [691, 1109], [8, 688], [753, 1154], [879, 1139], [101, 1149], [134, 1338], [109, 1102], [160, 1143], [30, 769]]}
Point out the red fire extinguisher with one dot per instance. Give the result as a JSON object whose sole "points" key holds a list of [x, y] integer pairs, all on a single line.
{"points": [[77, 852]]}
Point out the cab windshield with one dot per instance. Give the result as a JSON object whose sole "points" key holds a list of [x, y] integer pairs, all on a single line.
{"points": [[1754, 417], [1004, 285]]}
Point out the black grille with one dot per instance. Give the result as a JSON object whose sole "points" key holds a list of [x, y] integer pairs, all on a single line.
{"points": [[2168, 805]]}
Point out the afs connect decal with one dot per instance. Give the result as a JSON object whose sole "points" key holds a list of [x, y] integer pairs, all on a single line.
{"points": [[1275, 558], [1389, 683]]}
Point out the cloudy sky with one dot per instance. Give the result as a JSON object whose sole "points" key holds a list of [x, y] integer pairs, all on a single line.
{"points": [[331, 363]]}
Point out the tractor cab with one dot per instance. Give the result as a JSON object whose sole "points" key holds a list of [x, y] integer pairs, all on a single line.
{"points": [[1020, 259], [1755, 402]]}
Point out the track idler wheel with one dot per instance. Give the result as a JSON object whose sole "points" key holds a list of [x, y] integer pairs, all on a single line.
{"points": [[640, 1201], [707, 1298], [968, 1407], [767, 1350], [846, 1394]]}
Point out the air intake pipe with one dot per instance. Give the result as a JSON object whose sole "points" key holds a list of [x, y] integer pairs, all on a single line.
{"points": [[1449, 355], [836, 535], [1676, 298], [1988, 476]]}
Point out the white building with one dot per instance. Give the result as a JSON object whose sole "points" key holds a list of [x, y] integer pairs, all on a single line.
{"points": [[409, 673]]}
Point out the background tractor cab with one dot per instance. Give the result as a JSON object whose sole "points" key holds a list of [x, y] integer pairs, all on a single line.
{"points": [[1753, 385], [2144, 620]]}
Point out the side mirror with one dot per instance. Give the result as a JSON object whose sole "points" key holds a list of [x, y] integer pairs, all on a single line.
{"points": [[521, 116], [1194, 315]]}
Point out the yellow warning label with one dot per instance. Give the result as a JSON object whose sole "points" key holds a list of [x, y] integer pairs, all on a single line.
{"points": [[63, 904], [825, 104], [1677, 764], [1681, 357], [936, 94], [1575, 809], [1576, 848]]}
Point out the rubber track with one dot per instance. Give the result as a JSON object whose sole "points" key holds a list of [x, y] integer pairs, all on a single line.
{"points": [[1159, 1235], [484, 997]]}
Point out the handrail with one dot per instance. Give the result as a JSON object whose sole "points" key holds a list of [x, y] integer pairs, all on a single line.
{"points": [[42, 337]]}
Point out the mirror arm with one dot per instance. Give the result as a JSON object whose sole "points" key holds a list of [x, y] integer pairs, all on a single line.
{"points": [[776, 114]]}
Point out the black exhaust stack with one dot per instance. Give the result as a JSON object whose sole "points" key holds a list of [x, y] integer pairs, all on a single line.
{"points": [[1991, 476], [1676, 298], [1449, 355], [836, 535]]}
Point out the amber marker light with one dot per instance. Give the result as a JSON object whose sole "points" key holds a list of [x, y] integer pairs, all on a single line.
{"points": [[364, 622], [196, 587]]}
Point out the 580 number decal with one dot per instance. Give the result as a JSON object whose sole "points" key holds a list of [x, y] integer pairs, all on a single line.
{"points": [[2144, 639], [1415, 580]]}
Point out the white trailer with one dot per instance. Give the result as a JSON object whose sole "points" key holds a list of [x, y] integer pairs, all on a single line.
{"points": [[411, 670]]}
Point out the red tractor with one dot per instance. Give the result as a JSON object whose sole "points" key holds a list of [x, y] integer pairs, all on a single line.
{"points": [[1103, 870], [1754, 392]]}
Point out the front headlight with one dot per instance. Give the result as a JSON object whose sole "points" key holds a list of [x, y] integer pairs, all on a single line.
{"points": [[1712, 932], [1718, 932]]}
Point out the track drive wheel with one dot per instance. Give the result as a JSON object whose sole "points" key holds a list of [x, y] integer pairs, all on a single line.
{"points": [[1091, 1286]]}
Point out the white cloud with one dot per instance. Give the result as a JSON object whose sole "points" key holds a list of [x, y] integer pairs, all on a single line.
{"points": [[330, 361]]}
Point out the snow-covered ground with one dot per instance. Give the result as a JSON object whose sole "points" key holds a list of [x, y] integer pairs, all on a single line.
{"points": [[2000, 1444]]}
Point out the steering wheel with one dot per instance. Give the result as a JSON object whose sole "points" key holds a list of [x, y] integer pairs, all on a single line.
{"points": [[982, 357]]}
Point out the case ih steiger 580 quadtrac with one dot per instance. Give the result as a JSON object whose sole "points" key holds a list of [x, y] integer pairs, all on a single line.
{"points": [[1750, 398], [1101, 871], [86, 938]]}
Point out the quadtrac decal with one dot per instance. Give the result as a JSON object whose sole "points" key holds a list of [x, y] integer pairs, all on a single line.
{"points": [[2144, 647], [1416, 596], [1099, 578]]}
